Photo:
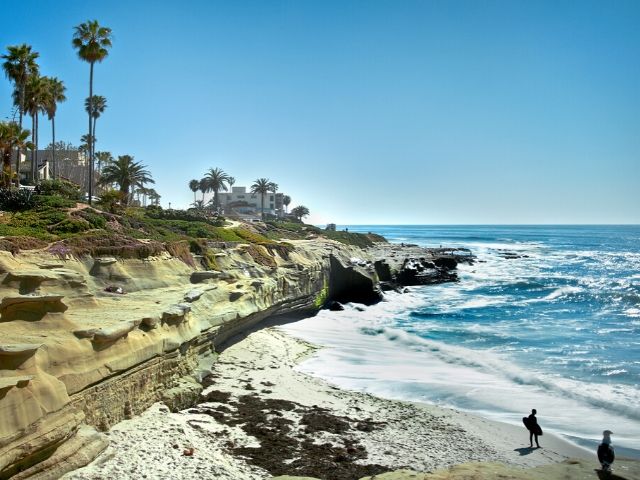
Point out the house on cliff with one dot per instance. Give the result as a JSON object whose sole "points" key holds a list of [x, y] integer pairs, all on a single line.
{"points": [[238, 203]]}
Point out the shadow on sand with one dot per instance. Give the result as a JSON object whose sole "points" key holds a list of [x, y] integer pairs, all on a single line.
{"points": [[271, 321], [602, 475], [525, 450]]}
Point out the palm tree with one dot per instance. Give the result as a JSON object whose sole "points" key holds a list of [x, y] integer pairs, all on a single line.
{"points": [[95, 108], [198, 205], [104, 158], [300, 211], [12, 136], [35, 100], [194, 185], [216, 180], [286, 200], [85, 143], [19, 64], [127, 174], [154, 197], [262, 186], [203, 186], [54, 94], [92, 42]]}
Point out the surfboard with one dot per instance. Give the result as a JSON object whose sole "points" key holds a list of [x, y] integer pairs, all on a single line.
{"points": [[537, 430]]}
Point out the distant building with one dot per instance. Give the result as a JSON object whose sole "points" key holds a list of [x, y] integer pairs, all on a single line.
{"points": [[71, 165], [240, 203]]}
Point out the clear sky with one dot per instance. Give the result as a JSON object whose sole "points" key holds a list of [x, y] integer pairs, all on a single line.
{"points": [[371, 112]]}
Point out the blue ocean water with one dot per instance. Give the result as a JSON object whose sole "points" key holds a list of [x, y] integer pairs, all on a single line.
{"points": [[557, 329]]}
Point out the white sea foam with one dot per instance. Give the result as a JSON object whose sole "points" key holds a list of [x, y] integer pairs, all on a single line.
{"points": [[364, 353]]}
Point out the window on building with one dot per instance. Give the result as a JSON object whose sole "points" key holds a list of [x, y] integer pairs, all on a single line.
{"points": [[271, 198]]}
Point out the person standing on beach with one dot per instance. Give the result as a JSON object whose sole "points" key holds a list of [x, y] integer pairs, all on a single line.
{"points": [[533, 427]]}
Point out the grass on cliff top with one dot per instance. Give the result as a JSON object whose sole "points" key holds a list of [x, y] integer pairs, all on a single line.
{"points": [[298, 231], [57, 221], [133, 233]]}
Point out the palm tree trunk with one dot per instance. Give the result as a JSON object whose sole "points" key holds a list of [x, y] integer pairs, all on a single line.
{"points": [[93, 146], [33, 140], [21, 112], [262, 205], [90, 139], [54, 165], [35, 170]]}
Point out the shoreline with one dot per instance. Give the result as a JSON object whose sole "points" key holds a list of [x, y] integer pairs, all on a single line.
{"points": [[310, 421]]}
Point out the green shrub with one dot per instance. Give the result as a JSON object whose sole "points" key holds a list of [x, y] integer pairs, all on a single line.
{"points": [[95, 220], [52, 201], [62, 188], [70, 225], [15, 200], [111, 201]]}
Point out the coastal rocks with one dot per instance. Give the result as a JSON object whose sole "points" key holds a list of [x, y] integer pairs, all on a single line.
{"points": [[335, 306], [176, 313], [30, 307], [510, 255], [351, 284], [193, 295], [202, 276], [77, 451], [108, 334], [423, 272], [99, 358], [383, 270]]}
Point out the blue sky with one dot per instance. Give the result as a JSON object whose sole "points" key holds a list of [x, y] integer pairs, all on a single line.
{"points": [[371, 112]]}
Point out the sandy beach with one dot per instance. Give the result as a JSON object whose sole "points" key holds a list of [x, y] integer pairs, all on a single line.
{"points": [[261, 418]]}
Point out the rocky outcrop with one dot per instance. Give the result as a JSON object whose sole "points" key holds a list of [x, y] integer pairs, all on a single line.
{"points": [[352, 284], [75, 359]]}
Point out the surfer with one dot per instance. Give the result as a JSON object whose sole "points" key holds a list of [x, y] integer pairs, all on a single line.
{"points": [[606, 455], [531, 422]]}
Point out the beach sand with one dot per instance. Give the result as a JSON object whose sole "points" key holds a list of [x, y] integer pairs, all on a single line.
{"points": [[260, 415]]}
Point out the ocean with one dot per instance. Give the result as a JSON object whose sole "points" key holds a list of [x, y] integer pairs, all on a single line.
{"points": [[547, 318]]}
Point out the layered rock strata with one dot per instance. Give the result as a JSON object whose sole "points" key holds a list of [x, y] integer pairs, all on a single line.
{"points": [[86, 343]]}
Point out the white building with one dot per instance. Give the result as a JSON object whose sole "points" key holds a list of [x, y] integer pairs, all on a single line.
{"points": [[242, 203]]}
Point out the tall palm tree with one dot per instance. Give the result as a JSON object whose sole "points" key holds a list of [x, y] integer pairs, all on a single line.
{"points": [[19, 64], [286, 200], [193, 186], [104, 158], [262, 186], [54, 94], [12, 136], [92, 42], [127, 174], [216, 180], [35, 100], [95, 108]]}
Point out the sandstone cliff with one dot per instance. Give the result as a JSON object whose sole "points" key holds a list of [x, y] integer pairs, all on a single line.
{"points": [[75, 358]]}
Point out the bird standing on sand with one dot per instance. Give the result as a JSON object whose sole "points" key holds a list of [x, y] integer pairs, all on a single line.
{"points": [[606, 455]]}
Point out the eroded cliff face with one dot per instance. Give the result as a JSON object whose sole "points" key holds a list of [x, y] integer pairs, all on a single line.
{"points": [[76, 359]]}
